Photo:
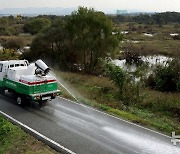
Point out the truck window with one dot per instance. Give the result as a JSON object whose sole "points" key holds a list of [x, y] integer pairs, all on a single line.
{"points": [[16, 65], [26, 63], [12, 65], [1, 67]]}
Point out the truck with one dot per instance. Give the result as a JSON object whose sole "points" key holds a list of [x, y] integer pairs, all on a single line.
{"points": [[28, 82]]}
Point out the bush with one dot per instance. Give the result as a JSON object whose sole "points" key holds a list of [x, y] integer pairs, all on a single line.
{"points": [[36, 25], [132, 55], [128, 92], [14, 43], [7, 54], [166, 78], [176, 37]]}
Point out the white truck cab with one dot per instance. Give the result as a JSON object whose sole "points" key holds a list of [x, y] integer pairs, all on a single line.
{"points": [[5, 66]]}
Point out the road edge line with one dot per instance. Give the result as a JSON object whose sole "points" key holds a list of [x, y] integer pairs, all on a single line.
{"points": [[38, 135], [81, 104]]}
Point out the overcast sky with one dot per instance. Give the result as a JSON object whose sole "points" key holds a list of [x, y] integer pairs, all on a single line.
{"points": [[143, 5]]}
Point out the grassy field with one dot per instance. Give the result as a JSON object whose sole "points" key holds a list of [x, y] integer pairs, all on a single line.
{"points": [[26, 40], [158, 111], [15, 140], [160, 43]]}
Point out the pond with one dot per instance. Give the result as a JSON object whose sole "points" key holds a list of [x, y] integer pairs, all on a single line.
{"points": [[150, 61]]}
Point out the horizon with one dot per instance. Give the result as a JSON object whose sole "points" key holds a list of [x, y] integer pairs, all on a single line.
{"points": [[140, 5]]}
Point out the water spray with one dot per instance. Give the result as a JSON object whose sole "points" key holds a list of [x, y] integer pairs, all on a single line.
{"points": [[65, 88]]}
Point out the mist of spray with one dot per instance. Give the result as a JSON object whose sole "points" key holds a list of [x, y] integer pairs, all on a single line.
{"points": [[60, 81]]}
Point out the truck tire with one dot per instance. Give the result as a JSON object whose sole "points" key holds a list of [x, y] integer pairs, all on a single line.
{"points": [[42, 103], [2, 91], [20, 100]]}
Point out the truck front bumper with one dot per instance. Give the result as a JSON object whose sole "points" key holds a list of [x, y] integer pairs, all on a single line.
{"points": [[45, 96]]}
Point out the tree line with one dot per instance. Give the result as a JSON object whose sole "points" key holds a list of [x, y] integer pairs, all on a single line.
{"points": [[157, 18]]}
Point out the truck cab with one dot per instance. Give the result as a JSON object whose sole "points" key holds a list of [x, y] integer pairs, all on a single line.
{"points": [[6, 65]]}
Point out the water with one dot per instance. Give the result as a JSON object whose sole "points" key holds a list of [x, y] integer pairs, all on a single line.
{"points": [[174, 34], [124, 65], [152, 62], [60, 81], [148, 34], [130, 41], [156, 60], [146, 143]]}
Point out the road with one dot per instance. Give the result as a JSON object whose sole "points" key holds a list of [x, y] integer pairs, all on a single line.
{"points": [[84, 130]]}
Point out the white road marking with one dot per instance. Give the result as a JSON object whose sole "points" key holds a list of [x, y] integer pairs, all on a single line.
{"points": [[37, 133], [114, 117]]}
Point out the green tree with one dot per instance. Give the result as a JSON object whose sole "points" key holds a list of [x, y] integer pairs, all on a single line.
{"points": [[52, 44], [91, 37], [36, 25], [3, 24], [81, 38]]}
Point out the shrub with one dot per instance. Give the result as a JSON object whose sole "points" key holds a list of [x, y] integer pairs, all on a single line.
{"points": [[128, 92], [8, 54], [14, 43], [176, 37], [132, 55], [166, 78]]}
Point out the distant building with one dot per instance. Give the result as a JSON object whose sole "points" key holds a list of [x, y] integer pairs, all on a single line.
{"points": [[122, 12], [19, 17]]}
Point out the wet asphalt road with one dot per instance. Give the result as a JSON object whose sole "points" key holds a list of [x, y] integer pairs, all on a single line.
{"points": [[84, 130]]}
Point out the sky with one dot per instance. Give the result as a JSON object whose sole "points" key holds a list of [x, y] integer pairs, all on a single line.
{"points": [[143, 5]]}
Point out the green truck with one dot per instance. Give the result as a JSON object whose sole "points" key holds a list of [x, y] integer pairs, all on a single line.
{"points": [[28, 82]]}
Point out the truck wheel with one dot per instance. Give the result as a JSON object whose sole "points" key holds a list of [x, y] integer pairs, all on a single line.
{"points": [[42, 103], [20, 100], [2, 91]]}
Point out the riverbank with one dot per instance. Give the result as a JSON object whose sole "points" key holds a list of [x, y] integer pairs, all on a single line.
{"points": [[14, 140]]}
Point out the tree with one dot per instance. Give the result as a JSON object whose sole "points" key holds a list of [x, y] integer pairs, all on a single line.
{"points": [[3, 24], [79, 39], [36, 25], [91, 37]]}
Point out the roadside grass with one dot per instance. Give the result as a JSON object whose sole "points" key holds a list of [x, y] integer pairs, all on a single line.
{"points": [[14, 140], [155, 112]]}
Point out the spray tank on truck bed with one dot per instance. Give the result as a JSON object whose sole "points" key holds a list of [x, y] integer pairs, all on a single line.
{"points": [[28, 81]]}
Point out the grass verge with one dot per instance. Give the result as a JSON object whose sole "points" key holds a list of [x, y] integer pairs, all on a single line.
{"points": [[14, 140]]}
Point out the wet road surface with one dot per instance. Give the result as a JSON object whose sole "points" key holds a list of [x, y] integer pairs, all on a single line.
{"points": [[84, 130]]}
